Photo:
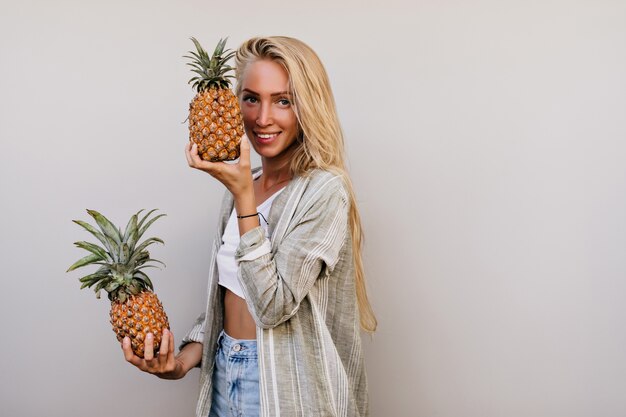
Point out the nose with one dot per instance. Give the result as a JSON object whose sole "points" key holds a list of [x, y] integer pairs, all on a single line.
{"points": [[264, 117]]}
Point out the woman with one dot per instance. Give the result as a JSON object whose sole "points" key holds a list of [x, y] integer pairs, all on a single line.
{"points": [[281, 334]]}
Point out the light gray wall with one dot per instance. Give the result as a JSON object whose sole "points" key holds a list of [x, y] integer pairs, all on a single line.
{"points": [[486, 144]]}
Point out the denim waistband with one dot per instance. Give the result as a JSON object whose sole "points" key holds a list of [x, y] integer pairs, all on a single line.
{"points": [[236, 347]]}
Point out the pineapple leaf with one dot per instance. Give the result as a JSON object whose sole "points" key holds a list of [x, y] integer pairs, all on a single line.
{"points": [[196, 66], [119, 256], [89, 259], [194, 58], [145, 244], [114, 248], [94, 232], [145, 226], [130, 227], [139, 258], [143, 219], [95, 249], [102, 272], [124, 253], [141, 276], [92, 279], [212, 69], [106, 226], [228, 56], [100, 286], [155, 260], [219, 49], [89, 280], [85, 285], [132, 238], [197, 44], [200, 72], [145, 266]]}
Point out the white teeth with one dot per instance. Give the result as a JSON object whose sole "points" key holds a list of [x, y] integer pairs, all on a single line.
{"points": [[266, 136]]}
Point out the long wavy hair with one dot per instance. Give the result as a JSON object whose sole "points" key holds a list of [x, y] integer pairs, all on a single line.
{"points": [[321, 144]]}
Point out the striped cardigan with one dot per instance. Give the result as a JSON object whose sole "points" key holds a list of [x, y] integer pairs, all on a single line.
{"points": [[299, 287]]}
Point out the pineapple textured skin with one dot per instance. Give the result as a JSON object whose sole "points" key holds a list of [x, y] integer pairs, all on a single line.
{"points": [[136, 317], [215, 124]]}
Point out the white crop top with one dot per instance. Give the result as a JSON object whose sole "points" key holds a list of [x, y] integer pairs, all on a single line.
{"points": [[226, 265]]}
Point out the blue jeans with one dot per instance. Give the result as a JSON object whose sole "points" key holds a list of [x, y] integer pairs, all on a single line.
{"points": [[235, 378]]}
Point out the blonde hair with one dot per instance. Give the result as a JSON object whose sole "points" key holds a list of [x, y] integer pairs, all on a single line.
{"points": [[321, 143]]}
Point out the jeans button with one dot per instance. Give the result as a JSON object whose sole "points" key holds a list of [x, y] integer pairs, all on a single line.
{"points": [[237, 347]]}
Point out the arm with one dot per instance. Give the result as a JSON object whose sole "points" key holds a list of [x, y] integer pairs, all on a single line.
{"points": [[275, 283], [237, 178]]}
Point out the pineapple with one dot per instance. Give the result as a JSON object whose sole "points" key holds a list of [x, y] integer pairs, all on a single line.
{"points": [[215, 122], [135, 309]]}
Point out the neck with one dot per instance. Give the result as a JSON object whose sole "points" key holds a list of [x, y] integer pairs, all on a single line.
{"points": [[274, 174], [277, 170]]}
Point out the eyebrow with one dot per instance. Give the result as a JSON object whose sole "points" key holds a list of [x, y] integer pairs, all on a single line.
{"points": [[281, 93]]}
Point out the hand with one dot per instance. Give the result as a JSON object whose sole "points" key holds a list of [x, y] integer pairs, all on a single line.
{"points": [[164, 365], [236, 177]]}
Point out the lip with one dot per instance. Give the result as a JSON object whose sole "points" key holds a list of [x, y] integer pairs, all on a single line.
{"points": [[266, 140]]}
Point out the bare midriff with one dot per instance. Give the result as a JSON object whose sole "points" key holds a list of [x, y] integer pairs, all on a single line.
{"points": [[238, 322]]}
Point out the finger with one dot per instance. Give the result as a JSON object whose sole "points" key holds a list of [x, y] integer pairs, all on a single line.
{"points": [[172, 345], [171, 361], [148, 351], [164, 349], [188, 153], [196, 161], [128, 353], [207, 166], [244, 147]]}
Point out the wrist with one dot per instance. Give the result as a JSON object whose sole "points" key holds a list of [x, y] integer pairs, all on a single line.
{"points": [[245, 203], [188, 357], [178, 372], [243, 190]]}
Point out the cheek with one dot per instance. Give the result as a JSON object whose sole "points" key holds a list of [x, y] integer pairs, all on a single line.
{"points": [[248, 116], [293, 123], [288, 120]]}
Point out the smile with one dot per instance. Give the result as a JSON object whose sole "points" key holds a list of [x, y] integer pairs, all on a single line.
{"points": [[266, 135]]}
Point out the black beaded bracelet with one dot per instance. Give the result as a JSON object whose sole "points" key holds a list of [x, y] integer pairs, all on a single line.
{"points": [[247, 215], [252, 215]]}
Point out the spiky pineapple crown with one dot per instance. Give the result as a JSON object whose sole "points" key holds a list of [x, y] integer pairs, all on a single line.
{"points": [[121, 259], [212, 71]]}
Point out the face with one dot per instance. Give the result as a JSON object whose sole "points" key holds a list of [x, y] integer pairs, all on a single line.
{"points": [[267, 109]]}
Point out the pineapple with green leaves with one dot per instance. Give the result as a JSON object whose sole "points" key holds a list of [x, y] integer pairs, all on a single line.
{"points": [[135, 308], [215, 121]]}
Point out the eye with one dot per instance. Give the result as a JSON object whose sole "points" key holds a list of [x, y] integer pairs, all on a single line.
{"points": [[284, 102], [250, 99]]}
